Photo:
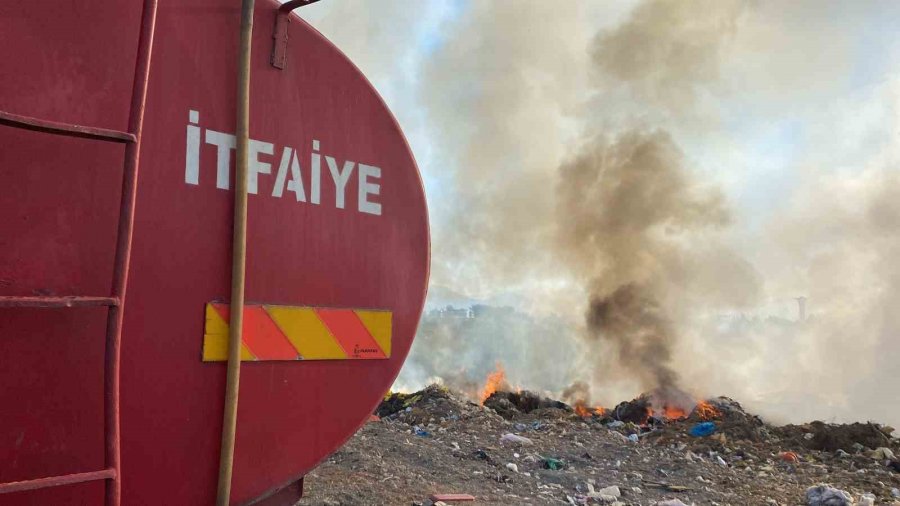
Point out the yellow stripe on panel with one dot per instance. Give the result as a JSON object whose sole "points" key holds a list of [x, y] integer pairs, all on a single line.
{"points": [[378, 323], [306, 332], [215, 340]]}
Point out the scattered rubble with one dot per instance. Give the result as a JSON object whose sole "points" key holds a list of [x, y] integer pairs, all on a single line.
{"points": [[523, 448], [823, 495], [832, 437]]}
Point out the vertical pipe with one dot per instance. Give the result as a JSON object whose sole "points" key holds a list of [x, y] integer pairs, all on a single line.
{"points": [[123, 252], [239, 253]]}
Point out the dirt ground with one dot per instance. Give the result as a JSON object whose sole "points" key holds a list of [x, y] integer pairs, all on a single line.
{"points": [[436, 442]]}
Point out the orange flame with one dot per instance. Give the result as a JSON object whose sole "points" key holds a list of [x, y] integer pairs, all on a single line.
{"points": [[581, 409], [674, 413], [668, 413], [493, 382], [707, 411]]}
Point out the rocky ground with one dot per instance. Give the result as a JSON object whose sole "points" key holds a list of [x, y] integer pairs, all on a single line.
{"points": [[527, 450]]}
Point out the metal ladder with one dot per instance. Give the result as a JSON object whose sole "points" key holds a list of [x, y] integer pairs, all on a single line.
{"points": [[116, 301]]}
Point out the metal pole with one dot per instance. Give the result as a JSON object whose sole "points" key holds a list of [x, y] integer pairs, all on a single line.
{"points": [[115, 315], [239, 253]]}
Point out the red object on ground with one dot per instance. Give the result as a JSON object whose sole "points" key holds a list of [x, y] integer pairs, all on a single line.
{"points": [[452, 497], [337, 220], [374, 418], [789, 457]]}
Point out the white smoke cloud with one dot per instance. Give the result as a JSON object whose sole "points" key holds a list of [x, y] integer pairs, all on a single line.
{"points": [[788, 111]]}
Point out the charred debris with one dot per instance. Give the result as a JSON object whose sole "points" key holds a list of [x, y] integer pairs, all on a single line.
{"points": [[643, 419]]}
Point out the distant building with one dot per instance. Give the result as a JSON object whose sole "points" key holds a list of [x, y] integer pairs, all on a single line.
{"points": [[452, 312], [801, 308], [479, 310]]}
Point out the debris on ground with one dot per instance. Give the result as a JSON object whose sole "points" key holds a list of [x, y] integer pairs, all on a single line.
{"points": [[451, 498], [789, 457], [525, 448], [703, 429], [833, 437], [553, 464], [516, 439], [823, 495], [670, 502]]}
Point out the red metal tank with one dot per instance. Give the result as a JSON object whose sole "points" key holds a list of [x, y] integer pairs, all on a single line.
{"points": [[337, 262]]}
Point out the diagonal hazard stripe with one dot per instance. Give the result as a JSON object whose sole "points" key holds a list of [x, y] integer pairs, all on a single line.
{"points": [[306, 332], [215, 340], [264, 338], [293, 333], [350, 333], [378, 323]]}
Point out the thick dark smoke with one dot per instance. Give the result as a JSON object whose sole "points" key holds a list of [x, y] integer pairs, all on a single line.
{"points": [[632, 318], [630, 214], [627, 209], [578, 392]]}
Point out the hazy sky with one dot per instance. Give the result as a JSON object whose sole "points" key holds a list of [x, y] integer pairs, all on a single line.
{"points": [[808, 87]]}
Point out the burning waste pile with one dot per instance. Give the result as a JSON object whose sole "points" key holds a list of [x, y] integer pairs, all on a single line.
{"points": [[638, 251], [506, 445]]}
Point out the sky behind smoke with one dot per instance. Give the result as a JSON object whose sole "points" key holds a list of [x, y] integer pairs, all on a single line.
{"points": [[774, 127]]}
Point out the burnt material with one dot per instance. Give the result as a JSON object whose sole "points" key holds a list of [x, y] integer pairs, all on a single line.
{"points": [[635, 411], [510, 404]]}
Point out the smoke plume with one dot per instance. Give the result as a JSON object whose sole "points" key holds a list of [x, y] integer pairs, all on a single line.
{"points": [[624, 207], [629, 210], [648, 186]]}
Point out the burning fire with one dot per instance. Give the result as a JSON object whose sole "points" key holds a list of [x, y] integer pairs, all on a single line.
{"points": [[494, 382], [707, 411], [674, 413], [582, 409], [704, 410], [668, 412]]}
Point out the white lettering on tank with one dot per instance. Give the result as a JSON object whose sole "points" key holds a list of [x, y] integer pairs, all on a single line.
{"points": [[366, 188], [289, 177], [315, 167], [340, 179], [255, 167], [289, 158], [224, 146], [192, 153]]}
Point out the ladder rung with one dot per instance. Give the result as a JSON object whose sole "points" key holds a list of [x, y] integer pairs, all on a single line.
{"points": [[71, 301], [56, 481], [54, 127]]}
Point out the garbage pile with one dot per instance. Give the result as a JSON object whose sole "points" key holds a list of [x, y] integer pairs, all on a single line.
{"points": [[832, 437], [509, 405], [435, 447], [435, 400]]}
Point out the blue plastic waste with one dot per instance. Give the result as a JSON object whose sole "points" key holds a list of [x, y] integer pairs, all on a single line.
{"points": [[703, 429]]}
